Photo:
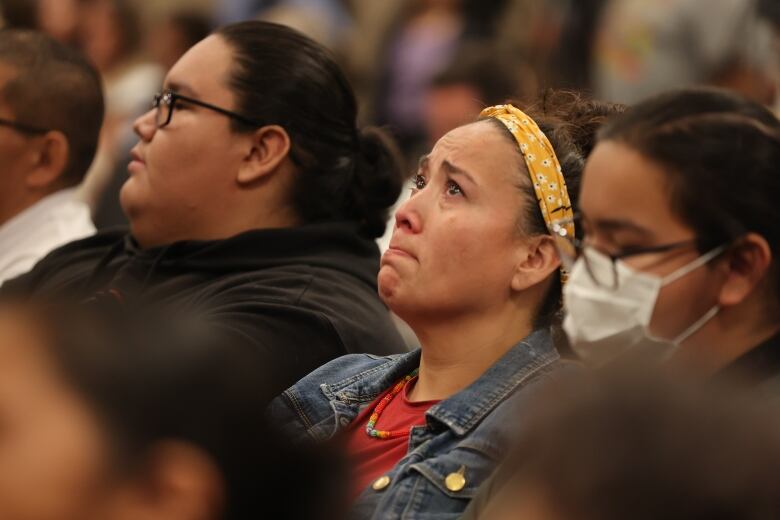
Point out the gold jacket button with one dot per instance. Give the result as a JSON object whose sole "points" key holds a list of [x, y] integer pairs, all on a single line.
{"points": [[456, 481], [381, 483]]}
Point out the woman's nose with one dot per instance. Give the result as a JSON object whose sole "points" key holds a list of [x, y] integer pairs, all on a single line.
{"points": [[408, 216]]}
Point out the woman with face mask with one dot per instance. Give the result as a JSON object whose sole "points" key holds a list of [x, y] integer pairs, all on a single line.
{"points": [[679, 210], [474, 272]]}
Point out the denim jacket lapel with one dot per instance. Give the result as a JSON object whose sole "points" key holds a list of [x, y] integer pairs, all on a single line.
{"points": [[467, 408]]}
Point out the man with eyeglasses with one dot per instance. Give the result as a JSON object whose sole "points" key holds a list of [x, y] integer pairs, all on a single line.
{"points": [[51, 110], [253, 196]]}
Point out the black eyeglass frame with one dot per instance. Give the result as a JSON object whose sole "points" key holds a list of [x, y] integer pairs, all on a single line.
{"points": [[169, 97], [21, 127], [558, 229]]}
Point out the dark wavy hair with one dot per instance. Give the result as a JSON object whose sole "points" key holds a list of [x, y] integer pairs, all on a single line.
{"points": [[282, 77]]}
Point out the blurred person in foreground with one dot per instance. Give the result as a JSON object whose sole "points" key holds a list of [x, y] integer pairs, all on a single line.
{"points": [[633, 443], [679, 258], [473, 270], [51, 109], [113, 412], [252, 193]]}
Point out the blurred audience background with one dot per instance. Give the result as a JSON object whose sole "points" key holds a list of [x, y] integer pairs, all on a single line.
{"points": [[422, 67]]}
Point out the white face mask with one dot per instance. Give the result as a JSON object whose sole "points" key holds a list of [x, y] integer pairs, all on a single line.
{"points": [[601, 323]]}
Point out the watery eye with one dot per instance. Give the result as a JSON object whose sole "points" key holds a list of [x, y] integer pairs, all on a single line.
{"points": [[418, 182], [453, 188]]}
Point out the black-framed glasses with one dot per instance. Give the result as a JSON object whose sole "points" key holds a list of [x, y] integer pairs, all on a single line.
{"points": [[570, 249], [165, 103], [21, 127]]}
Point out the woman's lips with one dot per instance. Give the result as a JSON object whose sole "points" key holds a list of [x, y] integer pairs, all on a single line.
{"points": [[398, 251]]}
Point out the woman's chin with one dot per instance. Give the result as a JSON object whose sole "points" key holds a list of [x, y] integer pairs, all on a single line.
{"points": [[388, 283]]}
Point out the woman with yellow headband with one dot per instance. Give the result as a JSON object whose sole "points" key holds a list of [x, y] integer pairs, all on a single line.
{"points": [[474, 272]]}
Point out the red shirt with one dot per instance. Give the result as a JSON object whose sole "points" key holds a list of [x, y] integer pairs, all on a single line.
{"points": [[369, 457]]}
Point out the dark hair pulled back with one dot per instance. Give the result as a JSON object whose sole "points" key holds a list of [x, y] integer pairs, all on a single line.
{"points": [[282, 77]]}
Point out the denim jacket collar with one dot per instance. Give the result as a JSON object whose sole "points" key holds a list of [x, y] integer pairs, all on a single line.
{"points": [[464, 410]]}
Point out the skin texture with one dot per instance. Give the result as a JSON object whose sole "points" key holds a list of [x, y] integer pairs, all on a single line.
{"points": [[625, 204], [459, 271], [186, 175]]}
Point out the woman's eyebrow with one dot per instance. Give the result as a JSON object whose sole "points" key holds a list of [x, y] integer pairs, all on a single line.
{"points": [[453, 169], [620, 225]]}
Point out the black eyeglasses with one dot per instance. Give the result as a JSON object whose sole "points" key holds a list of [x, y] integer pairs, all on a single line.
{"points": [[165, 103], [570, 249], [21, 127]]}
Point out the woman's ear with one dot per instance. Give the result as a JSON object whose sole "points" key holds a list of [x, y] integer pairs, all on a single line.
{"points": [[745, 265], [537, 259], [269, 147]]}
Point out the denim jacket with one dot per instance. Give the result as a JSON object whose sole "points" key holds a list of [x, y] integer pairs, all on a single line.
{"points": [[469, 432]]}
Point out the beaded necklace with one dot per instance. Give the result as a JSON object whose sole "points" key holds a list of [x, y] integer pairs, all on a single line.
{"points": [[382, 434]]}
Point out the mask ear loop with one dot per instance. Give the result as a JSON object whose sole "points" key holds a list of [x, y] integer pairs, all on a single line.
{"points": [[707, 316], [684, 270]]}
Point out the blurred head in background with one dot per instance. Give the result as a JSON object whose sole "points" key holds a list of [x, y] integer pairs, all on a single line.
{"points": [[109, 412], [59, 19], [174, 36], [644, 48], [109, 31], [475, 79], [51, 105]]}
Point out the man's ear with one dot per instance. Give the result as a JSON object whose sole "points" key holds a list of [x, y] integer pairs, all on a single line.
{"points": [[270, 145], [745, 265], [49, 160], [537, 259]]}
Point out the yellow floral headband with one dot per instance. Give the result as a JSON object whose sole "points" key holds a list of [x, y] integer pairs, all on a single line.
{"points": [[542, 164]]}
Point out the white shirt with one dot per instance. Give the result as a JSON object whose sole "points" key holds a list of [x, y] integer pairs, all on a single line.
{"points": [[51, 222]]}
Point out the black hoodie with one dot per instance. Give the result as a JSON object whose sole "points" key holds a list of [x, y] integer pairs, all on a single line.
{"points": [[302, 295]]}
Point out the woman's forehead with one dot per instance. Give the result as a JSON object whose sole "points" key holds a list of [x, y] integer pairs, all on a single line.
{"points": [[480, 145]]}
